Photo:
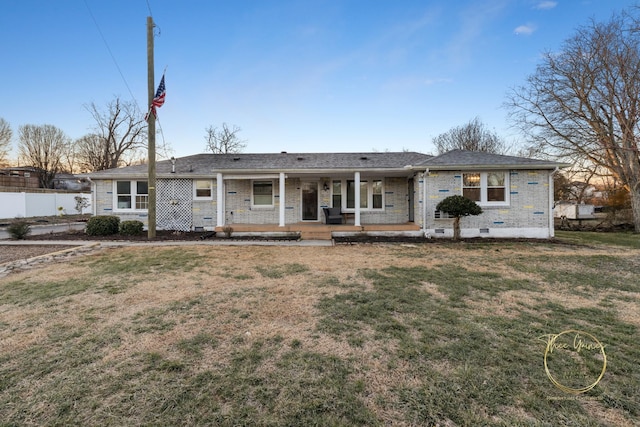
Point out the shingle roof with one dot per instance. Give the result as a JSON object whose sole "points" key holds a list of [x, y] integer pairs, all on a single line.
{"points": [[206, 164], [461, 159]]}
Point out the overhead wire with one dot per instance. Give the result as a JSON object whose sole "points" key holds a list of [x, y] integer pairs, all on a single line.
{"points": [[115, 61], [113, 58]]}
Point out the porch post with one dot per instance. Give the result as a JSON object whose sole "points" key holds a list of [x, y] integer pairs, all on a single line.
{"points": [[424, 200], [356, 219], [219, 200], [282, 199]]}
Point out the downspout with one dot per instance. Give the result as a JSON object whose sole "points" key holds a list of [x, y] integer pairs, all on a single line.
{"points": [[551, 203], [220, 200], [94, 197]]}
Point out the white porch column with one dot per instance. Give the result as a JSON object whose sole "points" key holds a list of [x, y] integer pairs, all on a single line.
{"points": [[424, 200], [282, 199], [356, 220], [220, 200]]}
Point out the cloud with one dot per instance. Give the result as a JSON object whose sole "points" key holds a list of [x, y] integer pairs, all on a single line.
{"points": [[525, 30], [546, 5]]}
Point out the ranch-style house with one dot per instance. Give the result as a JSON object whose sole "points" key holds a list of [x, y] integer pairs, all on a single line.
{"points": [[320, 195]]}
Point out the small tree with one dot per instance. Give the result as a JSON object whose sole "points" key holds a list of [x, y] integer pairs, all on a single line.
{"points": [[458, 206]]}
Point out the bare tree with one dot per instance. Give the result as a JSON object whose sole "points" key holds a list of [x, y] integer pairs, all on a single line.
{"points": [[120, 131], [44, 148], [224, 140], [90, 152], [584, 102], [473, 136], [5, 140]]}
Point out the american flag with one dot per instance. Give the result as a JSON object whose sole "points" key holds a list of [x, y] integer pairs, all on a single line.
{"points": [[158, 100]]}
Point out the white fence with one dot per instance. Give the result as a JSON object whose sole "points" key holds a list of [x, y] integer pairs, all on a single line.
{"points": [[14, 205]]}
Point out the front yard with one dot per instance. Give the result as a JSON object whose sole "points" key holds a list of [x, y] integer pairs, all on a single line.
{"points": [[448, 334]]}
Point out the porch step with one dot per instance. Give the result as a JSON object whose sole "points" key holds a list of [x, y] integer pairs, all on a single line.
{"points": [[315, 234]]}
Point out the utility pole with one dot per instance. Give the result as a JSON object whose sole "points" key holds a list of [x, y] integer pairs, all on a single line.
{"points": [[151, 121]]}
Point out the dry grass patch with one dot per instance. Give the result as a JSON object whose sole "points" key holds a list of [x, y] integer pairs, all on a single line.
{"points": [[346, 335]]}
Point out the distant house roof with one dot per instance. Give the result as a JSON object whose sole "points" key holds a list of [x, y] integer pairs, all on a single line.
{"points": [[204, 165], [466, 160]]}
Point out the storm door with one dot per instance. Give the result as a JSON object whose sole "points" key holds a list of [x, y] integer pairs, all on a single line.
{"points": [[309, 201]]}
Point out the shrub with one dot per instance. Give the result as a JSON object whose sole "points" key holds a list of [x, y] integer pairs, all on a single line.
{"points": [[19, 229], [458, 206], [227, 230], [131, 228], [103, 225]]}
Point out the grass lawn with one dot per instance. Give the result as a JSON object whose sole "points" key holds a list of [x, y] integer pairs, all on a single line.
{"points": [[448, 334]]}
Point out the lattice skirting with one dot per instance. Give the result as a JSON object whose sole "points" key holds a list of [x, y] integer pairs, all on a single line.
{"points": [[174, 204]]}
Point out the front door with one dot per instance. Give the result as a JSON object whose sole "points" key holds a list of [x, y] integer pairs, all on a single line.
{"points": [[309, 201]]}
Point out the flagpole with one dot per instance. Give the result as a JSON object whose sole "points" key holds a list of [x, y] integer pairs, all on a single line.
{"points": [[151, 121]]}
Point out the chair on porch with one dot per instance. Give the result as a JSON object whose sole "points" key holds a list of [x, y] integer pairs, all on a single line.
{"points": [[332, 215]]}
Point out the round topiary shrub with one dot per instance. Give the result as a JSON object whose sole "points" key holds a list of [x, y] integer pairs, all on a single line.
{"points": [[19, 229], [131, 228], [102, 225]]}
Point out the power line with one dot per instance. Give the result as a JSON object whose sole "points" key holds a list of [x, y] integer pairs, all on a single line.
{"points": [[113, 58]]}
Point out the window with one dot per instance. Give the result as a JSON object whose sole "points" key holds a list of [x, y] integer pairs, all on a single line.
{"points": [[485, 187], [337, 194], [371, 194], [495, 187], [262, 193], [133, 195], [471, 186], [376, 192], [203, 188]]}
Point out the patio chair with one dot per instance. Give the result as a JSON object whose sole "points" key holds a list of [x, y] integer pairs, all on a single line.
{"points": [[332, 215]]}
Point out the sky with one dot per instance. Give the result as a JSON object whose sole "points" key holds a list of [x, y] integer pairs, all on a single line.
{"points": [[293, 75]]}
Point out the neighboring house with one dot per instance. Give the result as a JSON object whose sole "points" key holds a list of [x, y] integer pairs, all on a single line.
{"points": [[27, 177], [68, 181], [20, 177], [376, 192]]}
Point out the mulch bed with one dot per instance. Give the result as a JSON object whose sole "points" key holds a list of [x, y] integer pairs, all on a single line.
{"points": [[161, 236]]}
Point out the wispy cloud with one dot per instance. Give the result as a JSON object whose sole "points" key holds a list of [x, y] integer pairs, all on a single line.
{"points": [[472, 23], [525, 30], [545, 5]]}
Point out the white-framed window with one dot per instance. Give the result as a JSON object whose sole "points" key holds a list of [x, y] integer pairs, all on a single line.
{"points": [[486, 188], [262, 194], [131, 195], [202, 189], [371, 194]]}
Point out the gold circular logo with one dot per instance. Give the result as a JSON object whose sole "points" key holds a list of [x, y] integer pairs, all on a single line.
{"points": [[576, 357]]}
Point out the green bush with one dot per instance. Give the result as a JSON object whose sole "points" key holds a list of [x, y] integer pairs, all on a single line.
{"points": [[131, 228], [19, 229], [103, 225]]}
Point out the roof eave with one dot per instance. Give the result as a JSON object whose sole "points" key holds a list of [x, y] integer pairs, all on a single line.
{"points": [[493, 166]]}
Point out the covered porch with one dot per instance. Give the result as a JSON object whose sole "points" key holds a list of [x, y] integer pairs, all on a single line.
{"points": [[318, 231]]}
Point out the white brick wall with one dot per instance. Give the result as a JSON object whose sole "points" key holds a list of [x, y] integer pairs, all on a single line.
{"points": [[528, 206]]}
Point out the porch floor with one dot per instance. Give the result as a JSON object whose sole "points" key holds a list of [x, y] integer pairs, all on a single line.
{"points": [[318, 231]]}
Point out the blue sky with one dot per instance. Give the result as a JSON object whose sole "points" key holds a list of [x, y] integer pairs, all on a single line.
{"points": [[297, 76]]}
